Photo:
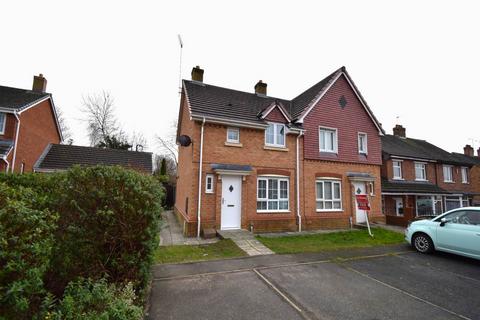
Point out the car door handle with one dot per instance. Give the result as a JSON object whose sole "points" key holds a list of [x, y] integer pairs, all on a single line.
{"points": [[230, 205]]}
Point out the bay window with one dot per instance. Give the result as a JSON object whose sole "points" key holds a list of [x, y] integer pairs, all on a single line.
{"points": [[328, 195], [272, 194]]}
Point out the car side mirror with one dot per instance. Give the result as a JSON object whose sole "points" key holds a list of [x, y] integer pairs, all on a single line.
{"points": [[443, 221]]}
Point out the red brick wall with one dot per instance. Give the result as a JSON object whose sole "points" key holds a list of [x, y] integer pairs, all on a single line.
{"points": [[37, 130], [348, 121], [457, 185], [408, 170], [276, 116]]}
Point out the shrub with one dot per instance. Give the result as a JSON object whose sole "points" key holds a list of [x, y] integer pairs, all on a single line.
{"points": [[89, 300], [108, 225], [26, 239]]}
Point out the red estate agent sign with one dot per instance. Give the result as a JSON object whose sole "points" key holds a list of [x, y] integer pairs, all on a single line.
{"points": [[362, 202]]}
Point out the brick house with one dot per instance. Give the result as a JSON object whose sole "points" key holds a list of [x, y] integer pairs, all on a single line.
{"points": [[28, 123], [256, 162], [419, 178], [474, 178]]}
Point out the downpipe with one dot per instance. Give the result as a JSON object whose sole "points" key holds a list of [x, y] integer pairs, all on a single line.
{"points": [[200, 181], [298, 184]]}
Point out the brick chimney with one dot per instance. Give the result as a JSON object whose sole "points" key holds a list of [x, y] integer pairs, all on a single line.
{"points": [[39, 83], [399, 131], [261, 88], [468, 150], [197, 74]]}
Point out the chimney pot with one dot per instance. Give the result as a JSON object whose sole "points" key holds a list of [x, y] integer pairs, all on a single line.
{"points": [[468, 150], [39, 83], [261, 88], [399, 131], [197, 74]]}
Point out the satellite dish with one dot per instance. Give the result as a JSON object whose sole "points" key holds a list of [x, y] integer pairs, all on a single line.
{"points": [[185, 141]]}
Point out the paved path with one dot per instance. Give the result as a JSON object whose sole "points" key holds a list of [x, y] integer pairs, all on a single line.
{"points": [[171, 233], [245, 241], [389, 282]]}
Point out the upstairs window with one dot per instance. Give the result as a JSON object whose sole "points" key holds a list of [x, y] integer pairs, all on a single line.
{"points": [[397, 169], [447, 174], [3, 120], [464, 175], [328, 140], [362, 143], [420, 171], [275, 135], [233, 135]]}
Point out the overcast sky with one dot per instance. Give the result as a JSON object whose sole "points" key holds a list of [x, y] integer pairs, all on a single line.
{"points": [[416, 60]]}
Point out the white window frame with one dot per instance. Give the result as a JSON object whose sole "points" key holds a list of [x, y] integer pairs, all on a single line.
{"points": [[233, 129], [424, 170], [335, 141], [397, 201], [209, 189], [333, 181], [465, 175], [3, 123], [275, 140], [400, 167], [365, 146], [279, 198], [450, 168]]}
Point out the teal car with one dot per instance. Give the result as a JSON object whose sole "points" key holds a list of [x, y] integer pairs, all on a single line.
{"points": [[456, 231]]}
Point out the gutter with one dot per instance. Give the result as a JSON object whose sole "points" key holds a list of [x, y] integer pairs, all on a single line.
{"points": [[298, 184], [200, 181], [16, 141]]}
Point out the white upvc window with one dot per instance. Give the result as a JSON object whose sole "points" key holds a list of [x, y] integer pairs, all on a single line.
{"points": [[420, 171], [3, 121], [209, 183], [328, 195], [362, 143], [464, 175], [328, 140], [233, 135], [275, 135], [397, 169], [272, 194], [447, 173]]}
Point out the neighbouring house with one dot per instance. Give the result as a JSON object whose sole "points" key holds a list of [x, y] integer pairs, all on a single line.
{"points": [[256, 162], [419, 178], [474, 177], [28, 123], [60, 157]]}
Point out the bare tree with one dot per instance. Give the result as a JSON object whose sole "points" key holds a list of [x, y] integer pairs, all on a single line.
{"points": [[138, 141], [64, 128], [101, 119], [168, 144]]}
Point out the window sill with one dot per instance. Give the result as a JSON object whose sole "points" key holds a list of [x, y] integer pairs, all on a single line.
{"points": [[421, 180], [272, 148], [398, 179], [273, 211], [449, 181], [233, 144], [326, 211]]}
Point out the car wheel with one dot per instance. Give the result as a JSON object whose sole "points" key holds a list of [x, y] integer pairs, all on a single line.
{"points": [[423, 243]]}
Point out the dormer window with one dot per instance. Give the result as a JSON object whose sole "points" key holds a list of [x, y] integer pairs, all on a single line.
{"points": [[275, 135], [3, 121]]}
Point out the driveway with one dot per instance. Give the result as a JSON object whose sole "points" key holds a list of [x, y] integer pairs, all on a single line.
{"points": [[377, 283]]}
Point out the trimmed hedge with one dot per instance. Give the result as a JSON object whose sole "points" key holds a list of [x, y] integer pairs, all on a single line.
{"points": [[98, 223]]}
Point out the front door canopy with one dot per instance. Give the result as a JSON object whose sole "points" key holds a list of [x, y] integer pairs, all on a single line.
{"points": [[231, 169]]}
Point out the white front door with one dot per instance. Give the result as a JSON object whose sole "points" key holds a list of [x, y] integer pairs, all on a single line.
{"points": [[231, 202], [359, 188]]}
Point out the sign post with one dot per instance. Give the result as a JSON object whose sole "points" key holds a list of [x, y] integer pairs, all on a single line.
{"points": [[363, 204]]}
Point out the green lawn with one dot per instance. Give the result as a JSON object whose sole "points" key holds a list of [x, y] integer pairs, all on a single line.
{"points": [[331, 241], [178, 254]]}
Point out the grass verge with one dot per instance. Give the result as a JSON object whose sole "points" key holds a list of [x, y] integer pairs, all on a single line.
{"points": [[178, 254], [331, 241]]}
